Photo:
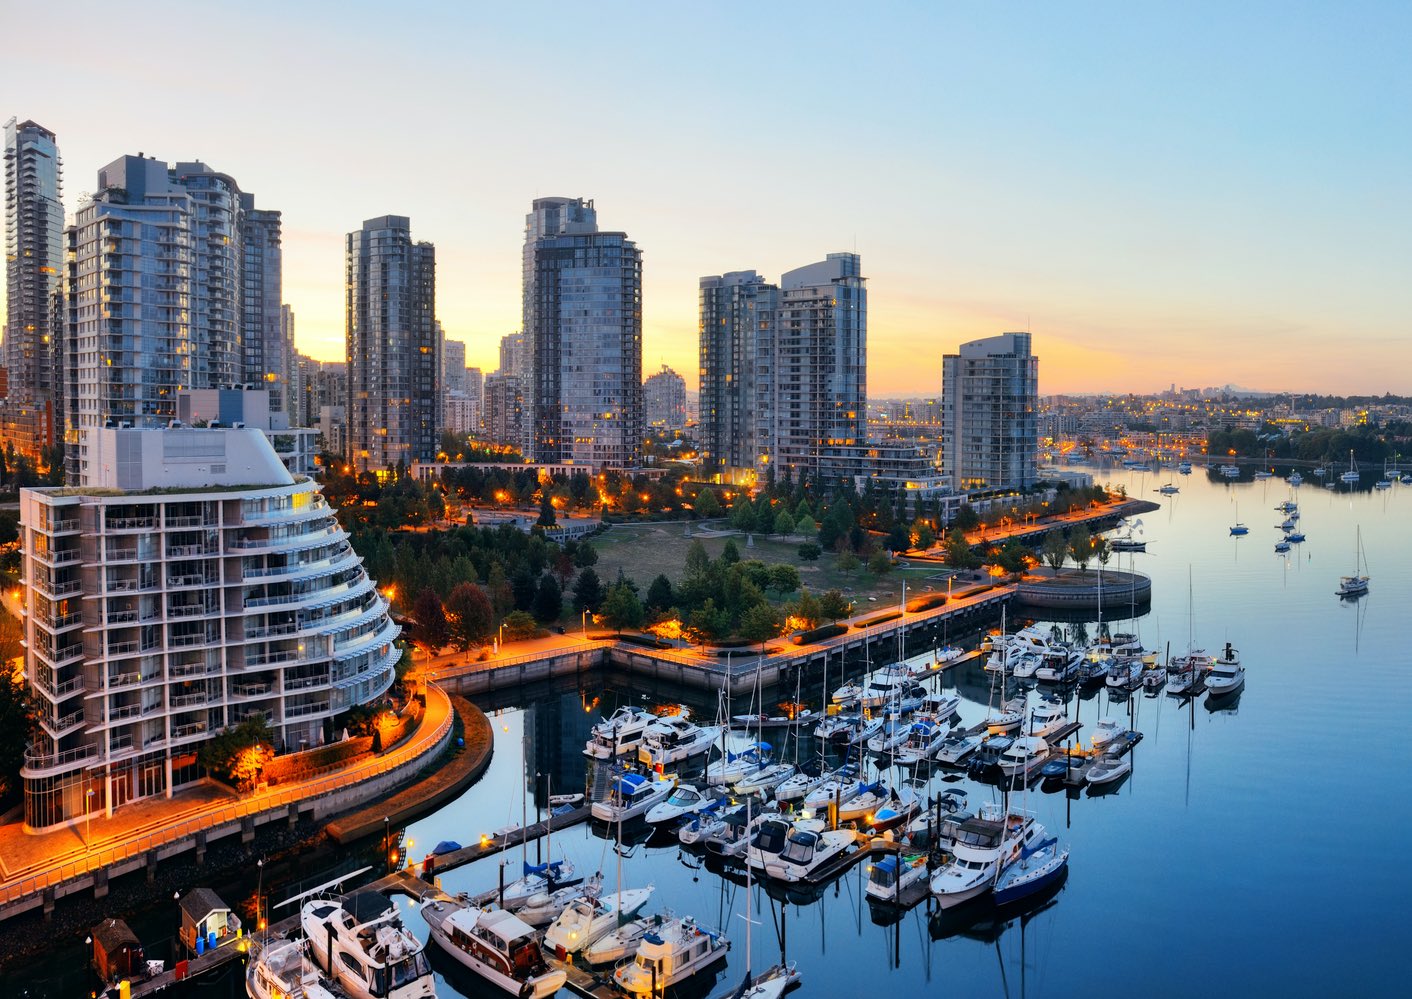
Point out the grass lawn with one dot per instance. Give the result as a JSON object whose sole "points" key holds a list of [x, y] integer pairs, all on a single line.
{"points": [[643, 551]]}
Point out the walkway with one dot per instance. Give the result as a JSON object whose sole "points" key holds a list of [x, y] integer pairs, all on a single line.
{"points": [[32, 862]]}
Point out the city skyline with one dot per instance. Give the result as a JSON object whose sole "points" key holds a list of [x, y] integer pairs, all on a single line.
{"points": [[1137, 209]]}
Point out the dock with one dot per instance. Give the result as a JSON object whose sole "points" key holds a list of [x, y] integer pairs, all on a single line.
{"points": [[909, 896], [586, 981], [1078, 775]]}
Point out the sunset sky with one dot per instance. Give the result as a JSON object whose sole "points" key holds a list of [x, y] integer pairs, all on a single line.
{"points": [[1192, 193]]}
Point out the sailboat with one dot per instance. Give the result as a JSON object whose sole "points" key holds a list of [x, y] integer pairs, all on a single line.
{"points": [[1357, 584], [771, 983], [1238, 528], [1352, 474]]}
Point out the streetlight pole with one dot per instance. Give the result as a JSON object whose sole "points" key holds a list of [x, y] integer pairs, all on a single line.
{"points": [[583, 622], [387, 841], [260, 896], [88, 819]]}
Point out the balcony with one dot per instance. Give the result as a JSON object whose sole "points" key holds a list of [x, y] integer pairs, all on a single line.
{"points": [[131, 523], [272, 657], [187, 641], [60, 691], [187, 731], [122, 714], [192, 580], [190, 551], [63, 526], [37, 759], [196, 521], [60, 727], [252, 689], [124, 679], [195, 610], [300, 710], [193, 669], [306, 683], [272, 631], [190, 700]]}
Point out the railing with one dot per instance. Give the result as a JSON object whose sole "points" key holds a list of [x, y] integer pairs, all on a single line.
{"points": [[300, 710], [121, 617], [272, 630], [64, 689], [197, 521], [59, 589], [305, 682], [191, 611], [130, 523], [55, 870], [121, 648], [186, 551], [121, 554], [186, 731], [193, 669], [186, 641], [62, 526], [122, 713], [38, 760], [62, 726], [66, 620], [124, 679], [191, 580], [251, 689], [187, 700], [271, 657]]}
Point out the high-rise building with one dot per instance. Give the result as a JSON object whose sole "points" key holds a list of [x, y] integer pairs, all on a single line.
{"points": [[393, 344], [453, 366], [267, 352], [503, 410], [585, 340], [737, 325], [34, 261], [664, 400], [202, 584], [990, 414], [165, 295]]}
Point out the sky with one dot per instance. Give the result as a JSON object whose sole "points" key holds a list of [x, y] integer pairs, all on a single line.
{"points": [[1183, 193]]}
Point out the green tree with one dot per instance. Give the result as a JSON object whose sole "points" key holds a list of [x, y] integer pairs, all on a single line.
{"points": [[925, 535], [803, 510], [707, 623], [899, 538], [524, 587], [588, 592], [958, 551], [783, 578], [239, 754], [659, 594], [760, 623], [585, 555], [730, 554], [697, 561], [432, 630], [805, 525], [847, 562], [807, 610], [621, 608], [548, 600], [966, 518], [810, 552], [834, 606], [880, 564], [1054, 550], [520, 625], [497, 587], [743, 515], [706, 504], [784, 523], [1081, 546], [546, 511], [471, 616]]}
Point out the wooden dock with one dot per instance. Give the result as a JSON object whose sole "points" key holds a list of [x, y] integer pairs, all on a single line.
{"points": [[588, 982]]}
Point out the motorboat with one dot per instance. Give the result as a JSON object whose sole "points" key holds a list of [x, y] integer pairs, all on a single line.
{"points": [[1184, 467], [283, 969], [1281, 546], [669, 954], [950, 808], [1106, 731], [587, 919], [1094, 670], [796, 788], [1230, 471], [1010, 716], [1169, 489], [1047, 718], [1125, 674], [362, 945], [864, 730], [1239, 529], [835, 728], [982, 846], [939, 707], [806, 851], [621, 942], [619, 734], [893, 733], [901, 807], [1225, 678], [702, 824], [684, 799], [495, 944], [849, 693], [1038, 866], [764, 779], [885, 686], [988, 753], [1024, 756], [1059, 666], [761, 722], [1108, 770], [1295, 479], [892, 875], [769, 838], [861, 806], [923, 739], [732, 836], [956, 747], [1025, 665], [727, 769], [671, 740], [947, 654], [1186, 675], [544, 908], [839, 786], [1154, 677], [631, 796], [535, 879]]}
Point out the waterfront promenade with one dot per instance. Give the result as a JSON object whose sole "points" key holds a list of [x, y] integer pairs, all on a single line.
{"points": [[38, 869]]}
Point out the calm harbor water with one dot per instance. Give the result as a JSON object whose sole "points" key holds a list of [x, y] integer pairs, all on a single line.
{"points": [[1241, 856]]}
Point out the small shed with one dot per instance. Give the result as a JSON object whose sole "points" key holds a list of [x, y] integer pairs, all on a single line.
{"points": [[116, 951], [202, 914]]}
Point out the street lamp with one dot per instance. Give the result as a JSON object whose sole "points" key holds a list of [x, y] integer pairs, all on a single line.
{"points": [[387, 841], [583, 622], [88, 819], [260, 896]]}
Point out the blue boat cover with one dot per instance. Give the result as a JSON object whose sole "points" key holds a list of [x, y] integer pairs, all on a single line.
{"points": [[446, 846], [551, 868]]}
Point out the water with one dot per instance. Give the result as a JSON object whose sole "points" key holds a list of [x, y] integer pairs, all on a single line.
{"points": [[1246, 853]]}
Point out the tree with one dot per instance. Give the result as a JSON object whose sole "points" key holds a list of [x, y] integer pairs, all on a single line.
{"points": [[520, 625], [564, 568], [847, 562], [925, 535], [899, 539], [760, 623], [524, 587], [546, 511], [1081, 546], [707, 622], [16, 730], [810, 552], [548, 600], [730, 554], [833, 605], [621, 608], [1055, 550], [743, 515], [472, 617], [706, 504], [880, 564], [697, 561], [958, 551], [588, 592], [966, 518], [784, 523], [585, 555], [432, 630], [497, 587], [783, 578], [807, 611], [803, 510], [659, 594], [805, 525], [239, 754], [1102, 550]]}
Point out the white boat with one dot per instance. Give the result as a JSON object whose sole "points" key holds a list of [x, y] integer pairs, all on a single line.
{"points": [[1125, 673], [727, 769], [948, 654], [890, 876], [982, 845], [808, 850], [1107, 770], [797, 787], [282, 969], [893, 733], [538, 878], [544, 908], [1106, 731], [1184, 467], [861, 806], [618, 734], [1262, 474], [769, 984], [1230, 471], [956, 747], [1060, 666], [1047, 718], [631, 795], [361, 943], [765, 779], [849, 693], [1154, 677], [769, 838], [734, 833], [495, 944], [1295, 479], [587, 919], [1225, 678], [1352, 474], [1025, 755], [1357, 584], [840, 785], [1010, 716], [701, 825], [622, 942], [671, 740], [923, 739], [1038, 866], [683, 800], [901, 807], [669, 954]]}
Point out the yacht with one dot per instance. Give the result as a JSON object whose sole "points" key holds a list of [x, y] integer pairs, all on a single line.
{"points": [[806, 851], [684, 800], [893, 734], [283, 969], [1154, 677], [1038, 866], [923, 739], [1047, 718], [1262, 474], [889, 877], [1024, 757], [1010, 716], [769, 839], [982, 845], [1230, 471], [1352, 474], [1108, 770], [731, 837], [1357, 584], [495, 944], [361, 943], [839, 786], [587, 919], [861, 806], [849, 693], [619, 734], [1059, 667], [671, 740], [705, 822], [1106, 731], [1226, 677], [669, 954], [1125, 673], [766, 779], [622, 942], [901, 807], [956, 747], [731, 767], [631, 795], [796, 788], [544, 908], [536, 879]]}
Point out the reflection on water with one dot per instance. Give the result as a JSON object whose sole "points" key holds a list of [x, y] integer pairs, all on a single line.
{"points": [[1213, 833]]}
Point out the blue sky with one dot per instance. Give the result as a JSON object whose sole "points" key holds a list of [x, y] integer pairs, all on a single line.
{"points": [[1189, 193]]}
